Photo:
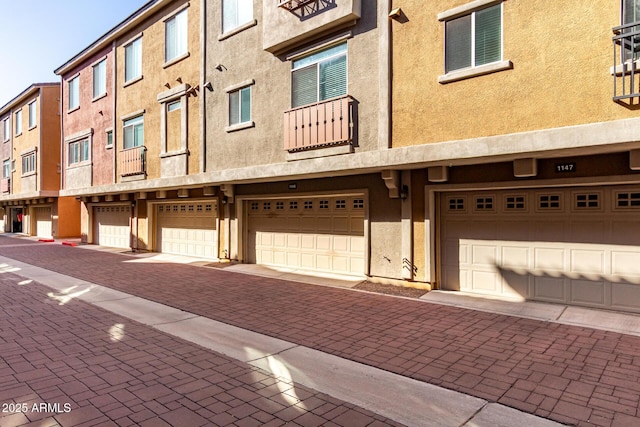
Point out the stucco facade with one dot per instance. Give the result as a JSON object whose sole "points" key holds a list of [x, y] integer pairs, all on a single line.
{"points": [[31, 166]]}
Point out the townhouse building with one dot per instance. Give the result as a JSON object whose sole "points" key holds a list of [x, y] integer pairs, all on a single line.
{"points": [[137, 113], [522, 144], [296, 92], [30, 183]]}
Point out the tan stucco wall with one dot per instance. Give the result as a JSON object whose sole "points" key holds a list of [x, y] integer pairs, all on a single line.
{"points": [[560, 76], [142, 95], [271, 94]]}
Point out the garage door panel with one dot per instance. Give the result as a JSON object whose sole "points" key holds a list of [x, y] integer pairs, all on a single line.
{"points": [[588, 292], [548, 259], [43, 222], [515, 256], [484, 255], [588, 231], [358, 247], [624, 263], [485, 281], [341, 225], [625, 296], [626, 232], [550, 231], [549, 289], [515, 284], [587, 261]]}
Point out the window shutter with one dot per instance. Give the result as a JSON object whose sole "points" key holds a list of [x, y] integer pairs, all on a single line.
{"points": [[457, 43], [304, 86], [333, 78], [488, 35]]}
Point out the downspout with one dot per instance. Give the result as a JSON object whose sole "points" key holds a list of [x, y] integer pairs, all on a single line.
{"points": [[203, 89], [115, 97], [384, 76]]}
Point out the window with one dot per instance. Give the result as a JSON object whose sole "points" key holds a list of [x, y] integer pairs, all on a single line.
{"points": [[100, 78], [474, 39], [6, 169], [175, 36], [174, 106], [109, 138], [19, 122], [235, 13], [240, 106], [32, 115], [319, 76], [29, 163], [134, 132], [133, 60], [7, 129], [74, 93], [630, 14], [78, 151]]}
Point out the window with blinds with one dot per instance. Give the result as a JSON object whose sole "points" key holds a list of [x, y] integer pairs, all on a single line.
{"points": [[319, 76], [474, 39]]}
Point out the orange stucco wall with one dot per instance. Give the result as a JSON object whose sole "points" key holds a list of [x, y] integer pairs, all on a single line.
{"points": [[560, 76]]}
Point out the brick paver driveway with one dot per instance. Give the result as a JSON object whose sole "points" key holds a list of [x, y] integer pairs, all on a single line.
{"points": [[570, 374], [75, 364]]}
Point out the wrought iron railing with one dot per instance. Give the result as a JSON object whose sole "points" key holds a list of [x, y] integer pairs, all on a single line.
{"points": [[626, 61]]}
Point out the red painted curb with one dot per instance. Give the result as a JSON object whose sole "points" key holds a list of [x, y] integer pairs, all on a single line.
{"points": [[69, 244], [46, 240]]}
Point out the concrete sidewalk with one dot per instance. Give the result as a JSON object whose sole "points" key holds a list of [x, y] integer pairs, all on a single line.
{"points": [[407, 401], [572, 374]]}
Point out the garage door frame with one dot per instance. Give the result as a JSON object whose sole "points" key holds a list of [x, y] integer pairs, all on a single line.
{"points": [[242, 214], [434, 256], [152, 213]]}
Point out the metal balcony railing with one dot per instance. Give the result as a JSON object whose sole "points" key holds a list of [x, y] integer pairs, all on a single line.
{"points": [[133, 161], [320, 124], [5, 185], [626, 61], [293, 4]]}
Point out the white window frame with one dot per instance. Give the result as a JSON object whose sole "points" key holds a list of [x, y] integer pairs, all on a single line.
{"points": [[74, 93], [79, 151], [135, 47], [109, 138], [29, 163], [236, 14], [32, 115], [6, 168], [18, 120], [99, 70], [306, 62], [180, 34], [6, 123], [237, 96], [132, 124], [473, 70]]}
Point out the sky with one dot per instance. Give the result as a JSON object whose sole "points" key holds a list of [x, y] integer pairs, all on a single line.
{"points": [[38, 36]]}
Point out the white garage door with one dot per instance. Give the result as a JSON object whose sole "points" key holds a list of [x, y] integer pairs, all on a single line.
{"points": [[111, 226], [43, 221], [324, 234], [187, 229], [575, 245]]}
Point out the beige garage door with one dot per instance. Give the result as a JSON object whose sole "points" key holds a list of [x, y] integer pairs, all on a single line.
{"points": [[575, 245], [187, 229], [324, 234], [111, 226], [43, 221]]}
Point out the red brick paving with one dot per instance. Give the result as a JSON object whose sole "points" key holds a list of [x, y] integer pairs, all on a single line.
{"points": [[53, 355], [570, 374]]}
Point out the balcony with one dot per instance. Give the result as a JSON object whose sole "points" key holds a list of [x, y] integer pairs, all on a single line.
{"points": [[133, 161], [5, 185], [323, 124], [626, 63]]}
